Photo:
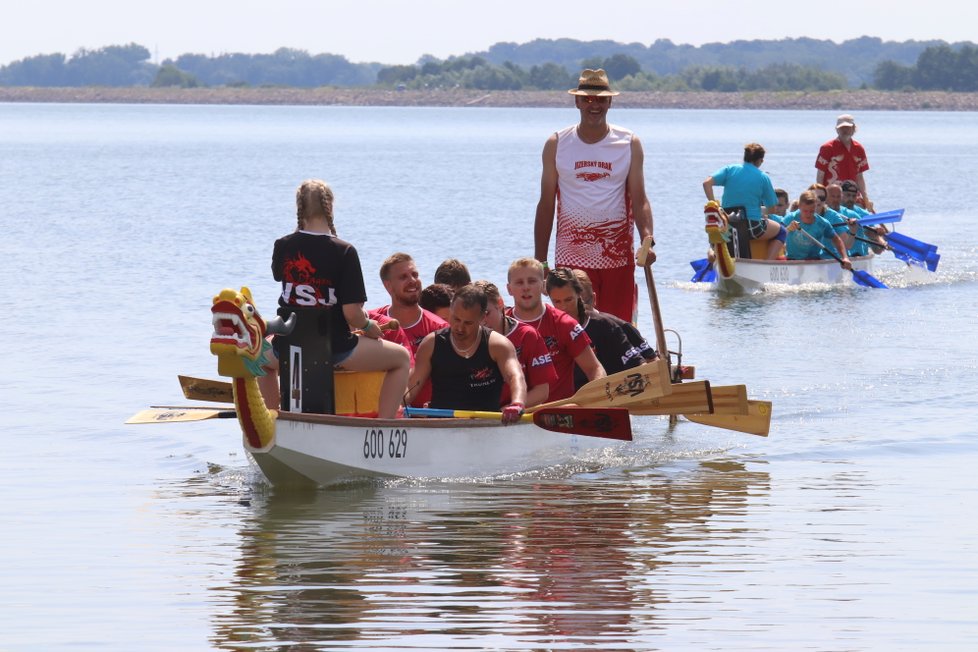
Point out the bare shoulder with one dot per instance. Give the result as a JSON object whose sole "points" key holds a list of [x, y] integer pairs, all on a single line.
{"points": [[427, 344], [550, 147], [500, 343]]}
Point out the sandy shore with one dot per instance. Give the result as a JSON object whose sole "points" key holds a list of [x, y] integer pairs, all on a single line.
{"points": [[833, 100]]}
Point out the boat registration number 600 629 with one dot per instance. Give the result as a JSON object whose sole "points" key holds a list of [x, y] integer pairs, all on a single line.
{"points": [[779, 273], [379, 443]]}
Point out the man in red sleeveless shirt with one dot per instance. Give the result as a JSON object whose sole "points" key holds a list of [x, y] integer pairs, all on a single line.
{"points": [[593, 178]]}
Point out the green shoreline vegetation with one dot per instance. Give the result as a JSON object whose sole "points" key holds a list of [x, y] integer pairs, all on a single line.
{"points": [[795, 73]]}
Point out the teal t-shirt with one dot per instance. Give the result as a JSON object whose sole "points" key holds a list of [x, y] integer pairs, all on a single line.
{"points": [[839, 221], [801, 248], [745, 185]]}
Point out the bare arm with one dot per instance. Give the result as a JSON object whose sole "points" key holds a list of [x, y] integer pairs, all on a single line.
{"points": [[588, 362], [502, 351], [544, 223], [820, 177], [358, 320], [537, 394], [422, 367], [708, 189], [641, 208], [843, 252]]}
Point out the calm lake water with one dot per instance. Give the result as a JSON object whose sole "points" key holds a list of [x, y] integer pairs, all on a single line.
{"points": [[852, 527]]}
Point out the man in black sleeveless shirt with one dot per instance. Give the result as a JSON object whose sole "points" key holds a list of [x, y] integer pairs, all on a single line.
{"points": [[468, 363]]}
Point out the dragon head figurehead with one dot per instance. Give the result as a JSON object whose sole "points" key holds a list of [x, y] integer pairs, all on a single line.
{"points": [[242, 350], [716, 220], [718, 231], [239, 334]]}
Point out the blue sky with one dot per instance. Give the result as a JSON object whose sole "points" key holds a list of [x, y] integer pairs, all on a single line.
{"points": [[391, 31]]}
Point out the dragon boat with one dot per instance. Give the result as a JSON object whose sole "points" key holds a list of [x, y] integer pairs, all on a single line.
{"points": [[297, 446], [740, 266], [327, 430]]}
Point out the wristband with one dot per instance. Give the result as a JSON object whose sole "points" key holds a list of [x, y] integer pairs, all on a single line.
{"points": [[366, 326]]}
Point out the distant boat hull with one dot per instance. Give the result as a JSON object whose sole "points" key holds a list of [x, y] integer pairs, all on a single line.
{"points": [[751, 276]]}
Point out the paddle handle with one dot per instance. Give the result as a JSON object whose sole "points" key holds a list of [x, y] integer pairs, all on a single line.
{"points": [[458, 414], [660, 333], [821, 246]]}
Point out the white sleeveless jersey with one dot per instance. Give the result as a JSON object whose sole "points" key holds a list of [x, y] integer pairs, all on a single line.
{"points": [[594, 214]]}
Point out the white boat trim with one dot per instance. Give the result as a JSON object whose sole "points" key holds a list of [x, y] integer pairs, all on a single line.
{"points": [[752, 276], [322, 450]]}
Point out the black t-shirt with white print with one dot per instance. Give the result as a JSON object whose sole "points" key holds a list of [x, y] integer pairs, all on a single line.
{"points": [[317, 269]]}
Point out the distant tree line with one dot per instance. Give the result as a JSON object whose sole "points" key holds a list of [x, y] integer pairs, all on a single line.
{"points": [[799, 64], [284, 67], [115, 65], [477, 73], [939, 68]]}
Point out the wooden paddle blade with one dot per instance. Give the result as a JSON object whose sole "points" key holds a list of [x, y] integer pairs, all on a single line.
{"points": [[641, 383], [608, 423], [202, 389], [685, 397], [730, 399], [620, 389], [626, 387], [169, 415], [756, 422]]}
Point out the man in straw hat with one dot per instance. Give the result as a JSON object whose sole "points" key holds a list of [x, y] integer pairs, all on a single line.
{"points": [[593, 178], [843, 158]]}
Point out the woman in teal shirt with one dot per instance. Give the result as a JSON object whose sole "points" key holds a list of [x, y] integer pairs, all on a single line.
{"points": [[746, 188], [802, 247]]}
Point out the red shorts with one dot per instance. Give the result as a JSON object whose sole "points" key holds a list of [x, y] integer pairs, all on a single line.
{"points": [[615, 291]]}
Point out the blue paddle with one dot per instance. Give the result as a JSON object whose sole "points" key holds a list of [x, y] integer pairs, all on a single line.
{"points": [[860, 276], [703, 271], [881, 218], [904, 247]]}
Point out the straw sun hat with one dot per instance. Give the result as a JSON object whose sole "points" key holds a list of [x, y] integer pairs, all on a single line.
{"points": [[594, 83]]}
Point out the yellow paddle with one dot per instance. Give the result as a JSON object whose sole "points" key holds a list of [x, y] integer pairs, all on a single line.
{"points": [[202, 389], [647, 381], [161, 414], [757, 421], [696, 396]]}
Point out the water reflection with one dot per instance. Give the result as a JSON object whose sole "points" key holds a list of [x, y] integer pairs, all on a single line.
{"points": [[520, 565]]}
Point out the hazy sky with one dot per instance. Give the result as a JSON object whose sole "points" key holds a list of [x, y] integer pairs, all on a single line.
{"points": [[393, 31]]}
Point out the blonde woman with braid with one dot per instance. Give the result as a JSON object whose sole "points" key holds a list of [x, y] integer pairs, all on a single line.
{"points": [[318, 269]]}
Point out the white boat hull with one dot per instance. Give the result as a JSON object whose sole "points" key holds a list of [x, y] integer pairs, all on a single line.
{"points": [[323, 450], [751, 276]]}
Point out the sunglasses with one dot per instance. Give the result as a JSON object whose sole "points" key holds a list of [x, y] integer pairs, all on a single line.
{"points": [[592, 99]]}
